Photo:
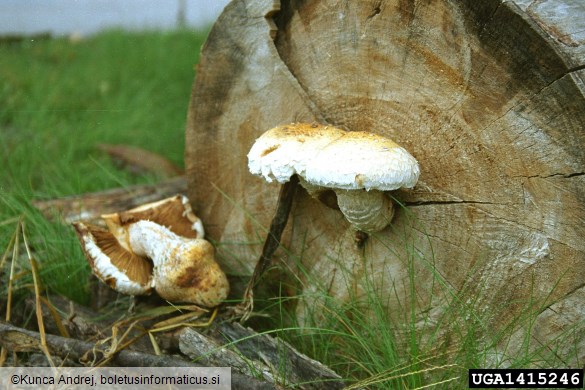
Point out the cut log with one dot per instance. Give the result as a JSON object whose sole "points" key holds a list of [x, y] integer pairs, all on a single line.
{"points": [[488, 96]]}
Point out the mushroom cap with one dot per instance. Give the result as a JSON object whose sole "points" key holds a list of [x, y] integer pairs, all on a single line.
{"points": [[113, 264], [192, 275], [330, 157], [174, 213], [285, 150], [360, 160], [185, 269]]}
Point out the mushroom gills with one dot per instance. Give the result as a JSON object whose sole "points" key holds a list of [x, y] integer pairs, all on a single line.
{"points": [[325, 195], [367, 211], [114, 264]]}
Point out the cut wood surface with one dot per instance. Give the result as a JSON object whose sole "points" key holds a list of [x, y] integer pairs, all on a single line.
{"points": [[488, 97]]}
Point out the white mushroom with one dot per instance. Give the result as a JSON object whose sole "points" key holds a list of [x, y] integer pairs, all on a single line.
{"points": [[358, 166], [160, 246], [283, 151]]}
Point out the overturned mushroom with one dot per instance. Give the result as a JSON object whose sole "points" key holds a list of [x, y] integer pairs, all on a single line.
{"points": [[357, 166], [156, 246]]}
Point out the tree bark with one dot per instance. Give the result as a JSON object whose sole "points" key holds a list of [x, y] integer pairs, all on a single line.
{"points": [[488, 96]]}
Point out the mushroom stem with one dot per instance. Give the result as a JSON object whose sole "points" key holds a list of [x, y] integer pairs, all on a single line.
{"points": [[283, 207], [156, 242], [366, 211]]}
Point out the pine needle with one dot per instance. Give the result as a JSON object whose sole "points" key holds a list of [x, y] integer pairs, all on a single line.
{"points": [[37, 289], [380, 378], [14, 244], [15, 254], [155, 346], [56, 317]]}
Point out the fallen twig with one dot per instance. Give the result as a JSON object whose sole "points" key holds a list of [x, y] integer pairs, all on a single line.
{"points": [[18, 339], [283, 207], [138, 160]]}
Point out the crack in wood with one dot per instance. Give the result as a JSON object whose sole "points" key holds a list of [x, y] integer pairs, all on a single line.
{"points": [[273, 18], [563, 175], [447, 202], [575, 69], [482, 29], [528, 99], [269, 17], [376, 11], [548, 305]]}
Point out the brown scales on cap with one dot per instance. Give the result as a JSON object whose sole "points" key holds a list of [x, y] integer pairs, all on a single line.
{"points": [[304, 131], [189, 278], [111, 283]]}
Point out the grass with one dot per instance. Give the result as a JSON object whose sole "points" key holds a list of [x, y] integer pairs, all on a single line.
{"points": [[58, 99], [418, 348]]}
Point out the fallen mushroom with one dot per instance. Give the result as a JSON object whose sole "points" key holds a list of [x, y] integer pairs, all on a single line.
{"points": [[357, 166], [156, 246]]}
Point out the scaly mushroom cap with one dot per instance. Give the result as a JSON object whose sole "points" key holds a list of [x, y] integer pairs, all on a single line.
{"points": [[283, 151], [200, 280], [360, 160], [113, 264], [184, 268], [326, 157]]}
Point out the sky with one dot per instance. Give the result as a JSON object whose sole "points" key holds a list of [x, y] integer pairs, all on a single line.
{"points": [[65, 17]]}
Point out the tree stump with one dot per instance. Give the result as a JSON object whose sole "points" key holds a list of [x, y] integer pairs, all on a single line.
{"points": [[489, 98]]}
